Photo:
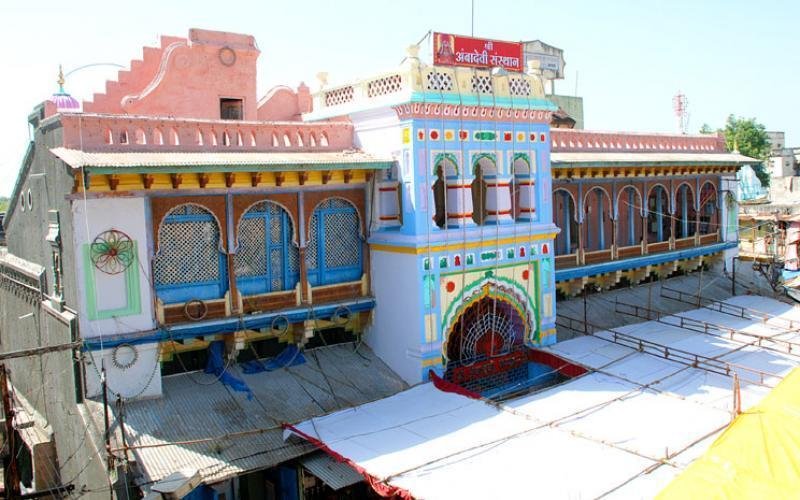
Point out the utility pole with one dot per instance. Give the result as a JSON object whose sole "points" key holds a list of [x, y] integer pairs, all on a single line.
{"points": [[107, 434], [11, 478]]}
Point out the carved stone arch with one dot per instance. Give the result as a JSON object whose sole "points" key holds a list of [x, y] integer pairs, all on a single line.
{"points": [[487, 163], [572, 197], [606, 197], [666, 191], [521, 164], [448, 162], [624, 189]]}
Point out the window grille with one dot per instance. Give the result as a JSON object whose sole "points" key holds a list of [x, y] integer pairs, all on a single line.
{"points": [[335, 222], [439, 81], [339, 96], [383, 86], [482, 84], [188, 255], [267, 260], [519, 86]]}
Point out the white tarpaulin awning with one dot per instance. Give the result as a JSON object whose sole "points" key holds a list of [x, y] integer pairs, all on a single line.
{"points": [[625, 429]]}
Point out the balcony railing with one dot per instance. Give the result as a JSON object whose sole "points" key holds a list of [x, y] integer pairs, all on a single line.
{"points": [[599, 256]]}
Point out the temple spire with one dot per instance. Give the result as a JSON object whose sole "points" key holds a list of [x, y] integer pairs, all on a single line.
{"points": [[60, 80]]}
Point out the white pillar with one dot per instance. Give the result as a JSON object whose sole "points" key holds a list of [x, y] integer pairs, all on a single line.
{"points": [[526, 203], [498, 199], [459, 202], [388, 204]]}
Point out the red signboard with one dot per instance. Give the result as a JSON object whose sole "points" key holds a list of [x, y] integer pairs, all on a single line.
{"points": [[454, 50]]}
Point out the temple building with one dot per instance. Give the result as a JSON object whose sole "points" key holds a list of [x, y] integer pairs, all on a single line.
{"points": [[630, 205], [465, 217], [191, 263]]}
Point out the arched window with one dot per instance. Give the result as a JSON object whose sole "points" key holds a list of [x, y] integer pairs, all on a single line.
{"points": [[629, 225], [267, 260], [658, 221], [524, 199], [567, 239], [140, 136], [484, 166], [444, 168], [708, 209], [189, 264], [596, 220], [684, 201], [333, 254]]}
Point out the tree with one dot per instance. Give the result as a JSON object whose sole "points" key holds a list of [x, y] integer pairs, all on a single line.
{"points": [[3, 204], [750, 138], [706, 129]]}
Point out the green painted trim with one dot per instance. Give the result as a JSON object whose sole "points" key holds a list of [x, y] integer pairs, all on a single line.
{"points": [[477, 157], [646, 163], [293, 167], [459, 304], [132, 290], [536, 336], [475, 100], [490, 267], [439, 157], [523, 156]]}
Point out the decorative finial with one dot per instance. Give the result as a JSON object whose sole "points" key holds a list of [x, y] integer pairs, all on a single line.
{"points": [[322, 78], [60, 79]]}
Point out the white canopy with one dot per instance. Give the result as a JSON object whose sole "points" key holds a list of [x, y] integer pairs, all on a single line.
{"points": [[626, 428]]}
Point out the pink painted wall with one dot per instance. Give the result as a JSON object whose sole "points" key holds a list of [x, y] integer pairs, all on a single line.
{"points": [[185, 77], [573, 140], [284, 104], [93, 132]]}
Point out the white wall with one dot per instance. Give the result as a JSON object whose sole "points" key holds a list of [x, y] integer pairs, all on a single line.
{"points": [[141, 380], [126, 215], [396, 328], [378, 132]]}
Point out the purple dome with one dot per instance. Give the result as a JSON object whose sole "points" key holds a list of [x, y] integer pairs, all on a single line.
{"points": [[65, 103]]}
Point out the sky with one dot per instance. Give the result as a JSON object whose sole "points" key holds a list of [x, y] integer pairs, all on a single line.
{"points": [[627, 59]]}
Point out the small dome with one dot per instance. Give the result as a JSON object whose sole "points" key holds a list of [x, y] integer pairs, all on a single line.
{"points": [[64, 102]]}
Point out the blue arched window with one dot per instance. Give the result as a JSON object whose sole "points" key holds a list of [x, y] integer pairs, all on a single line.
{"points": [[266, 260], [189, 264], [333, 254]]}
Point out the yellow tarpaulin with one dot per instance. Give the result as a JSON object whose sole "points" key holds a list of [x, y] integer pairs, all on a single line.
{"points": [[758, 456]]}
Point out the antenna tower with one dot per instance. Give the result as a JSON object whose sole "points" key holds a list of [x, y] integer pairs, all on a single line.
{"points": [[681, 107]]}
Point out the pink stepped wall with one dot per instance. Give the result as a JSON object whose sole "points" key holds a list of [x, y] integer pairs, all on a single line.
{"points": [[186, 77]]}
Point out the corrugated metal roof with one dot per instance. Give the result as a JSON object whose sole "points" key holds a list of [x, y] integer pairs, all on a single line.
{"points": [[247, 433], [590, 158], [335, 474], [257, 161]]}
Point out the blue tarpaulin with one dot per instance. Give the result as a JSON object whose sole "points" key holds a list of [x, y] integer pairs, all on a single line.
{"points": [[216, 366], [291, 356]]}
